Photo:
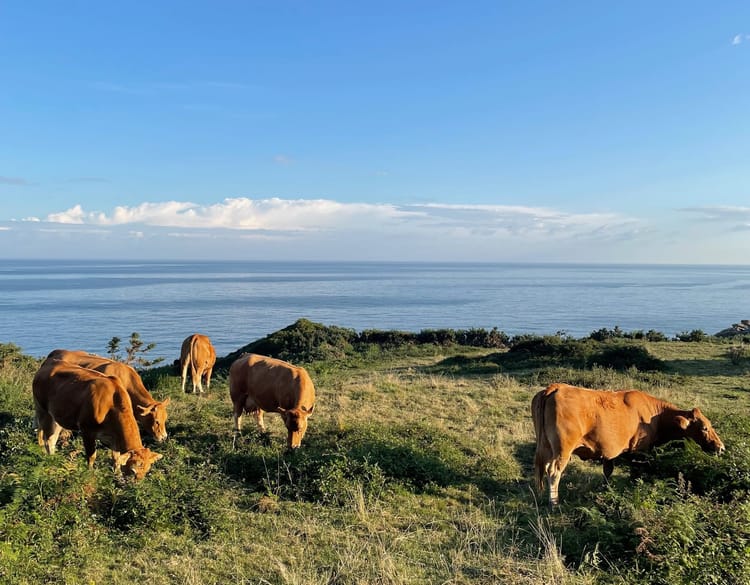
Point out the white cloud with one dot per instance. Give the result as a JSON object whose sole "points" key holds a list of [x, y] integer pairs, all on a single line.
{"points": [[275, 228], [737, 39], [238, 213], [73, 215], [290, 216]]}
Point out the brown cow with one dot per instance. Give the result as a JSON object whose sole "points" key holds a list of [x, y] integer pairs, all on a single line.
{"points": [[198, 353], [150, 413], [70, 397], [258, 383], [602, 424]]}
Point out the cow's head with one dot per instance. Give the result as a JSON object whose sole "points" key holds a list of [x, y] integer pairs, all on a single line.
{"points": [[698, 427], [295, 420], [137, 462], [154, 419]]}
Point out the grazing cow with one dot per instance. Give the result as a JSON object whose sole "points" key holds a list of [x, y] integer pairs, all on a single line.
{"points": [[198, 353], [260, 384], [151, 414], [70, 397], [601, 424]]}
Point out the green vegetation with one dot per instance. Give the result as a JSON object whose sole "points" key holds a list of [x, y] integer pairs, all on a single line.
{"points": [[135, 352], [416, 468]]}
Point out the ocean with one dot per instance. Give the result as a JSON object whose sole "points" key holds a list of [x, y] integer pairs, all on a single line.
{"points": [[83, 304]]}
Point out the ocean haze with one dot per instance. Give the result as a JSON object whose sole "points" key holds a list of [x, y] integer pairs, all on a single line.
{"points": [[83, 304]]}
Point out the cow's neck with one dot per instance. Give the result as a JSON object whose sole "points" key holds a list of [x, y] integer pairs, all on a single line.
{"points": [[126, 435], [669, 429]]}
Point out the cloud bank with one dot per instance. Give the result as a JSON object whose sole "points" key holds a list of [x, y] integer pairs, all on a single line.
{"points": [[311, 215], [324, 229]]}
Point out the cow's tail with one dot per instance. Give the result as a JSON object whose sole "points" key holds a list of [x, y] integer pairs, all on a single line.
{"points": [[193, 341], [542, 441]]}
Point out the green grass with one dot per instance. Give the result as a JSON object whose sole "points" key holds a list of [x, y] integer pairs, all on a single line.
{"points": [[416, 468]]}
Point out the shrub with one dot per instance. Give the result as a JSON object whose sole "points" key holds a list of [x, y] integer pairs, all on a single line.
{"points": [[624, 357], [302, 341], [550, 349], [653, 335], [387, 339], [695, 335]]}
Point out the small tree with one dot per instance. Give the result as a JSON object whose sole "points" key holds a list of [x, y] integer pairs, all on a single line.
{"points": [[113, 348], [134, 352]]}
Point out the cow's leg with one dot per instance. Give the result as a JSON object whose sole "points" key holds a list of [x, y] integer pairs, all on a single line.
{"points": [[554, 471], [608, 467], [184, 374], [50, 434], [258, 413], [196, 377], [89, 447], [208, 378], [239, 409], [48, 431]]}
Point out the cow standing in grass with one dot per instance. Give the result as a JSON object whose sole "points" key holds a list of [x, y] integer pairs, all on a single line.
{"points": [[70, 397], [259, 384], [199, 355], [150, 413], [601, 424]]}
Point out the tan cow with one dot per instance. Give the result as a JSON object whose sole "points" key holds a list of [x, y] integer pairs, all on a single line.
{"points": [[259, 384], [602, 424], [197, 353], [70, 397], [150, 413]]}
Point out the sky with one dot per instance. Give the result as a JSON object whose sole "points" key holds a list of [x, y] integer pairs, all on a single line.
{"points": [[539, 131]]}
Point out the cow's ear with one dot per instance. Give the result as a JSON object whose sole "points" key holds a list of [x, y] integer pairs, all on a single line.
{"points": [[145, 409], [697, 413], [311, 409], [122, 458], [155, 456], [165, 402], [682, 422]]}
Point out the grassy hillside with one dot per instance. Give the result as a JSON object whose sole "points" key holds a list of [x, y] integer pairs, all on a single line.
{"points": [[416, 469]]}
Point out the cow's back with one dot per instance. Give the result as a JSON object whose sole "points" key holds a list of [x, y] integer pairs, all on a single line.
{"points": [[123, 372], [202, 351], [271, 383], [605, 422], [77, 397]]}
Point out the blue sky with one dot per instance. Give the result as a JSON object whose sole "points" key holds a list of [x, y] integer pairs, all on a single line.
{"points": [[527, 131]]}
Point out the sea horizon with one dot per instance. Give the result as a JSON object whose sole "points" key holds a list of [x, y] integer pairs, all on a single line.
{"points": [[83, 303]]}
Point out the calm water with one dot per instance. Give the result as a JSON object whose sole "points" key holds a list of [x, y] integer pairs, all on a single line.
{"points": [[83, 304]]}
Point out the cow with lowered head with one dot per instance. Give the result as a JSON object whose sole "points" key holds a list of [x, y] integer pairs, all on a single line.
{"points": [[151, 414], [259, 384], [602, 424], [67, 396]]}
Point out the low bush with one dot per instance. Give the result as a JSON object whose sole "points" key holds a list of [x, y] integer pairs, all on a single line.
{"points": [[624, 357], [696, 336]]}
